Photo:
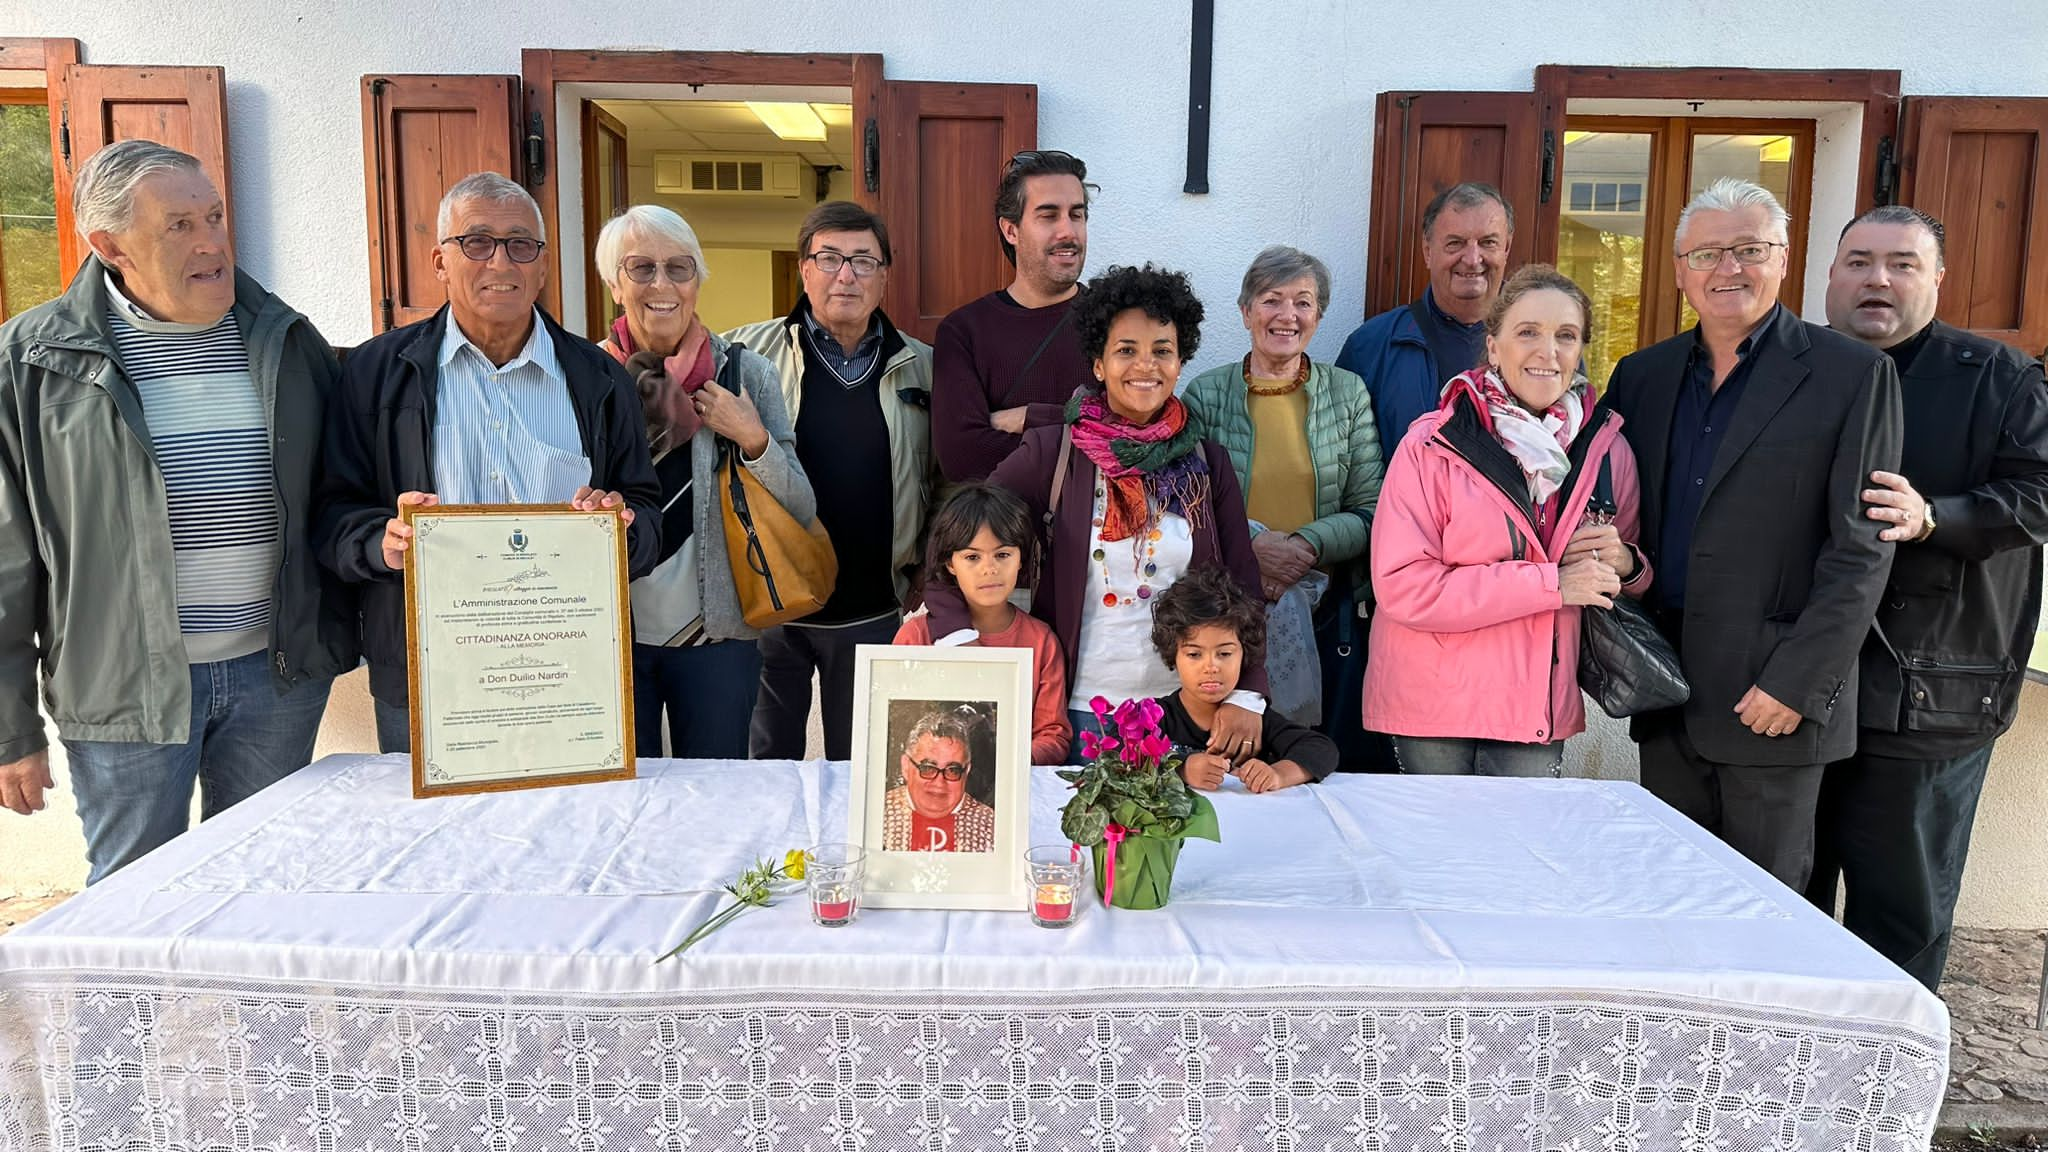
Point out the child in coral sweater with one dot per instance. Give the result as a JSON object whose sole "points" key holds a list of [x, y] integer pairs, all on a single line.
{"points": [[979, 541]]}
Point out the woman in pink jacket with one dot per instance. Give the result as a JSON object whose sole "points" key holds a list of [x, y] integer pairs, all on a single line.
{"points": [[1485, 548]]}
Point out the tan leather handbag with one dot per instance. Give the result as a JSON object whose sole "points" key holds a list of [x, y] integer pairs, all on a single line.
{"points": [[783, 570]]}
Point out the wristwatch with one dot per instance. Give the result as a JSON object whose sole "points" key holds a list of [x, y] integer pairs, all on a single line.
{"points": [[1927, 519]]}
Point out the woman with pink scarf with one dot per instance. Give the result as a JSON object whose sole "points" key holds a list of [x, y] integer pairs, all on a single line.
{"points": [[1131, 498], [1487, 545], [695, 661]]}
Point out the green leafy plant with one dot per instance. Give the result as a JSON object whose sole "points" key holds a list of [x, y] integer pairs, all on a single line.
{"points": [[1130, 803]]}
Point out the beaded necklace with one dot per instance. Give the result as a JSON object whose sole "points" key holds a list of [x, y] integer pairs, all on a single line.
{"points": [[1144, 566], [1300, 378]]}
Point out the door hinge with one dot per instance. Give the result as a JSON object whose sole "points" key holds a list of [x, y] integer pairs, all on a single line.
{"points": [[871, 148], [536, 150], [1887, 190], [1549, 165], [64, 134], [385, 314]]}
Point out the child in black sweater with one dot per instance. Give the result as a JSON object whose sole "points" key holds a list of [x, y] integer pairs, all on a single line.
{"points": [[1205, 627]]}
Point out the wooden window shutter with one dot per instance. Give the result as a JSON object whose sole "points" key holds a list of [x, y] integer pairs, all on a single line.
{"points": [[1979, 164], [103, 104], [944, 148], [1424, 143], [420, 135]]}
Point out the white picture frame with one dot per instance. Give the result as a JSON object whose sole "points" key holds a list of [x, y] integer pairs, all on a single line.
{"points": [[911, 698]]}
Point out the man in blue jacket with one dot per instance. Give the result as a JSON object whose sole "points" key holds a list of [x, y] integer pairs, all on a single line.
{"points": [[1404, 355]]}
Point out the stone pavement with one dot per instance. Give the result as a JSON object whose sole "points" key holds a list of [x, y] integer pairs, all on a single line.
{"points": [[1998, 1061]]}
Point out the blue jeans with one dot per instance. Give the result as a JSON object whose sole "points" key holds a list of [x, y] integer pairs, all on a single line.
{"points": [[246, 735], [708, 693], [1082, 720], [394, 727], [1456, 756]]}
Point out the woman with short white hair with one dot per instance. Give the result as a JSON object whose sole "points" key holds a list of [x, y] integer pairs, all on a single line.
{"points": [[695, 660]]}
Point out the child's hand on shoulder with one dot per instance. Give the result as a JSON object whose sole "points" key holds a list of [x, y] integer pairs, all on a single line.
{"points": [[1260, 776], [1204, 771]]}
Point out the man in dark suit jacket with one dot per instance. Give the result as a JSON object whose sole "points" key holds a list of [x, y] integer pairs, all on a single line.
{"points": [[1942, 669], [1754, 433]]}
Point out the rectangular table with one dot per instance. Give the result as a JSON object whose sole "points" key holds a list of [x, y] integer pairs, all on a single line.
{"points": [[1376, 962]]}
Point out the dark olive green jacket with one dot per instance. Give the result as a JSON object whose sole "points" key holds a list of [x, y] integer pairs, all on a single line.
{"points": [[88, 578]]}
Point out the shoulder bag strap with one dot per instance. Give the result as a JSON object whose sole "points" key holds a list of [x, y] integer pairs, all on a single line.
{"points": [[1035, 354], [1052, 506]]}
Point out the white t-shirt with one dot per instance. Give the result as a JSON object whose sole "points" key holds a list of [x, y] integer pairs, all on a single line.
{"points": [[1116, 658]]}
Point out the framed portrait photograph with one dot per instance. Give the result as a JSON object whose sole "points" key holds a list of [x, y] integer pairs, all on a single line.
{"points": [[940, 794]]}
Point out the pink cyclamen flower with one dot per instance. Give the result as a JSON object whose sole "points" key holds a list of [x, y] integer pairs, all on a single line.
{"points": [[1094, 744], [1100, 706]]}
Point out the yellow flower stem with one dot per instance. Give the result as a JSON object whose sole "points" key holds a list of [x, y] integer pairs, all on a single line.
{"points": [[720, 919]]}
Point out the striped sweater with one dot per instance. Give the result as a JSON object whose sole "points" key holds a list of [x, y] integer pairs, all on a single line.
{"points": [[210, 430]]}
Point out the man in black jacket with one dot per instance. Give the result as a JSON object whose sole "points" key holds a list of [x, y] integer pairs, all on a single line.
{"points": [[1754, 433], [1943, 667], [488, 401]]}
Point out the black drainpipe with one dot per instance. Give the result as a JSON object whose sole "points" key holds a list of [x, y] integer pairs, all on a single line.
{"points": [[1201, 52]]}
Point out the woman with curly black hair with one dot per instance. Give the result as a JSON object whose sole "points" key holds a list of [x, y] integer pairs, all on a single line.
{"points": [[1135, 498]]}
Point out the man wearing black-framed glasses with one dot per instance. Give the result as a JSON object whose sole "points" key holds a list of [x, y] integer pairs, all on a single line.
{"points": [[1754, 434], [930, 810], [488, 401], [858, 393], [1009, 360]]}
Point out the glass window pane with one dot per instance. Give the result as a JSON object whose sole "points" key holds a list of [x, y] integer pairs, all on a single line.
{"points": [[28, 209], [1631, 198], [1600, 242]]}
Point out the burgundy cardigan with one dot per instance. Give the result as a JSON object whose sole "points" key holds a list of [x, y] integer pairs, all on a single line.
{"points": [[1223, 538]]}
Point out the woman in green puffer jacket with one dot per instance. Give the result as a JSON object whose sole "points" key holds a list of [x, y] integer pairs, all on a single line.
{"points": [[1302, 438]]}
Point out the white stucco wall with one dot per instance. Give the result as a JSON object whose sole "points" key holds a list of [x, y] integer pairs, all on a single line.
{"points": [[1293, 94]]}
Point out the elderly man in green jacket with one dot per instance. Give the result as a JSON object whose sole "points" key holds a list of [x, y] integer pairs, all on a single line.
{"points": [[159, 435]]}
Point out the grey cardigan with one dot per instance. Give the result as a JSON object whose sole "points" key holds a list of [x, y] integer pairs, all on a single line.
{"points": [[777, 469]]}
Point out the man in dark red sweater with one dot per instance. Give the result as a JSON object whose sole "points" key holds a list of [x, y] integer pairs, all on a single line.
{"points": [[1008, 361]]}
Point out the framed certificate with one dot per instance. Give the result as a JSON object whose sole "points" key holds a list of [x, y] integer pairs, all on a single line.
{"points": [[519, 647]]}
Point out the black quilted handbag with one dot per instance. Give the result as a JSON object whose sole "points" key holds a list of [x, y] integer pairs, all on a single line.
{"points": [[1625, 663]]}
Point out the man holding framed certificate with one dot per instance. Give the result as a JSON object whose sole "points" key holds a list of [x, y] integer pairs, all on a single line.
{"points": [[487, 402]]}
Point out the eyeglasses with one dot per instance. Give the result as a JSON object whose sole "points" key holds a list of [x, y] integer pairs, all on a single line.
{"points": [[927, 769], [481, 247], [1036, 156], [680, 270], [830, 262], [1708, 259]]}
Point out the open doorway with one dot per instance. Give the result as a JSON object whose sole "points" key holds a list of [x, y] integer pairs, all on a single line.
{"points": [[742, 170]]}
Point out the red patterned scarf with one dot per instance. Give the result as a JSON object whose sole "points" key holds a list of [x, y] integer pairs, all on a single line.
{"points": [[1143, 466]]}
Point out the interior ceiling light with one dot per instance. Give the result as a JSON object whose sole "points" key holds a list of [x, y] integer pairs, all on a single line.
{"points": [[789, 121]]}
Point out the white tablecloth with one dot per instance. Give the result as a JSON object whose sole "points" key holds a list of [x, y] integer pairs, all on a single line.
{"points": [[1376, 962]]}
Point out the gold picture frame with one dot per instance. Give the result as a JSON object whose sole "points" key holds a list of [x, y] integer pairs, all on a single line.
{"points": [[469, 601]]}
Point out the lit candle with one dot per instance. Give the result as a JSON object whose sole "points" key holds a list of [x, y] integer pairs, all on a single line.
{"points": [[832, 905], [1053, 901]]}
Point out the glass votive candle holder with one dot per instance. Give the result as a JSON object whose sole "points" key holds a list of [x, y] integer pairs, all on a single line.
{"points": [[1054, 874], [832, 875]]}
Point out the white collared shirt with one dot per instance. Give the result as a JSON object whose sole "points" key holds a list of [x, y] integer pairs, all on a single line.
{"points": [[505, 435]]}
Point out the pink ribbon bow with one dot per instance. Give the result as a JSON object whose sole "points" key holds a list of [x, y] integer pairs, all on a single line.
{"points": [[1111, 837]]}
